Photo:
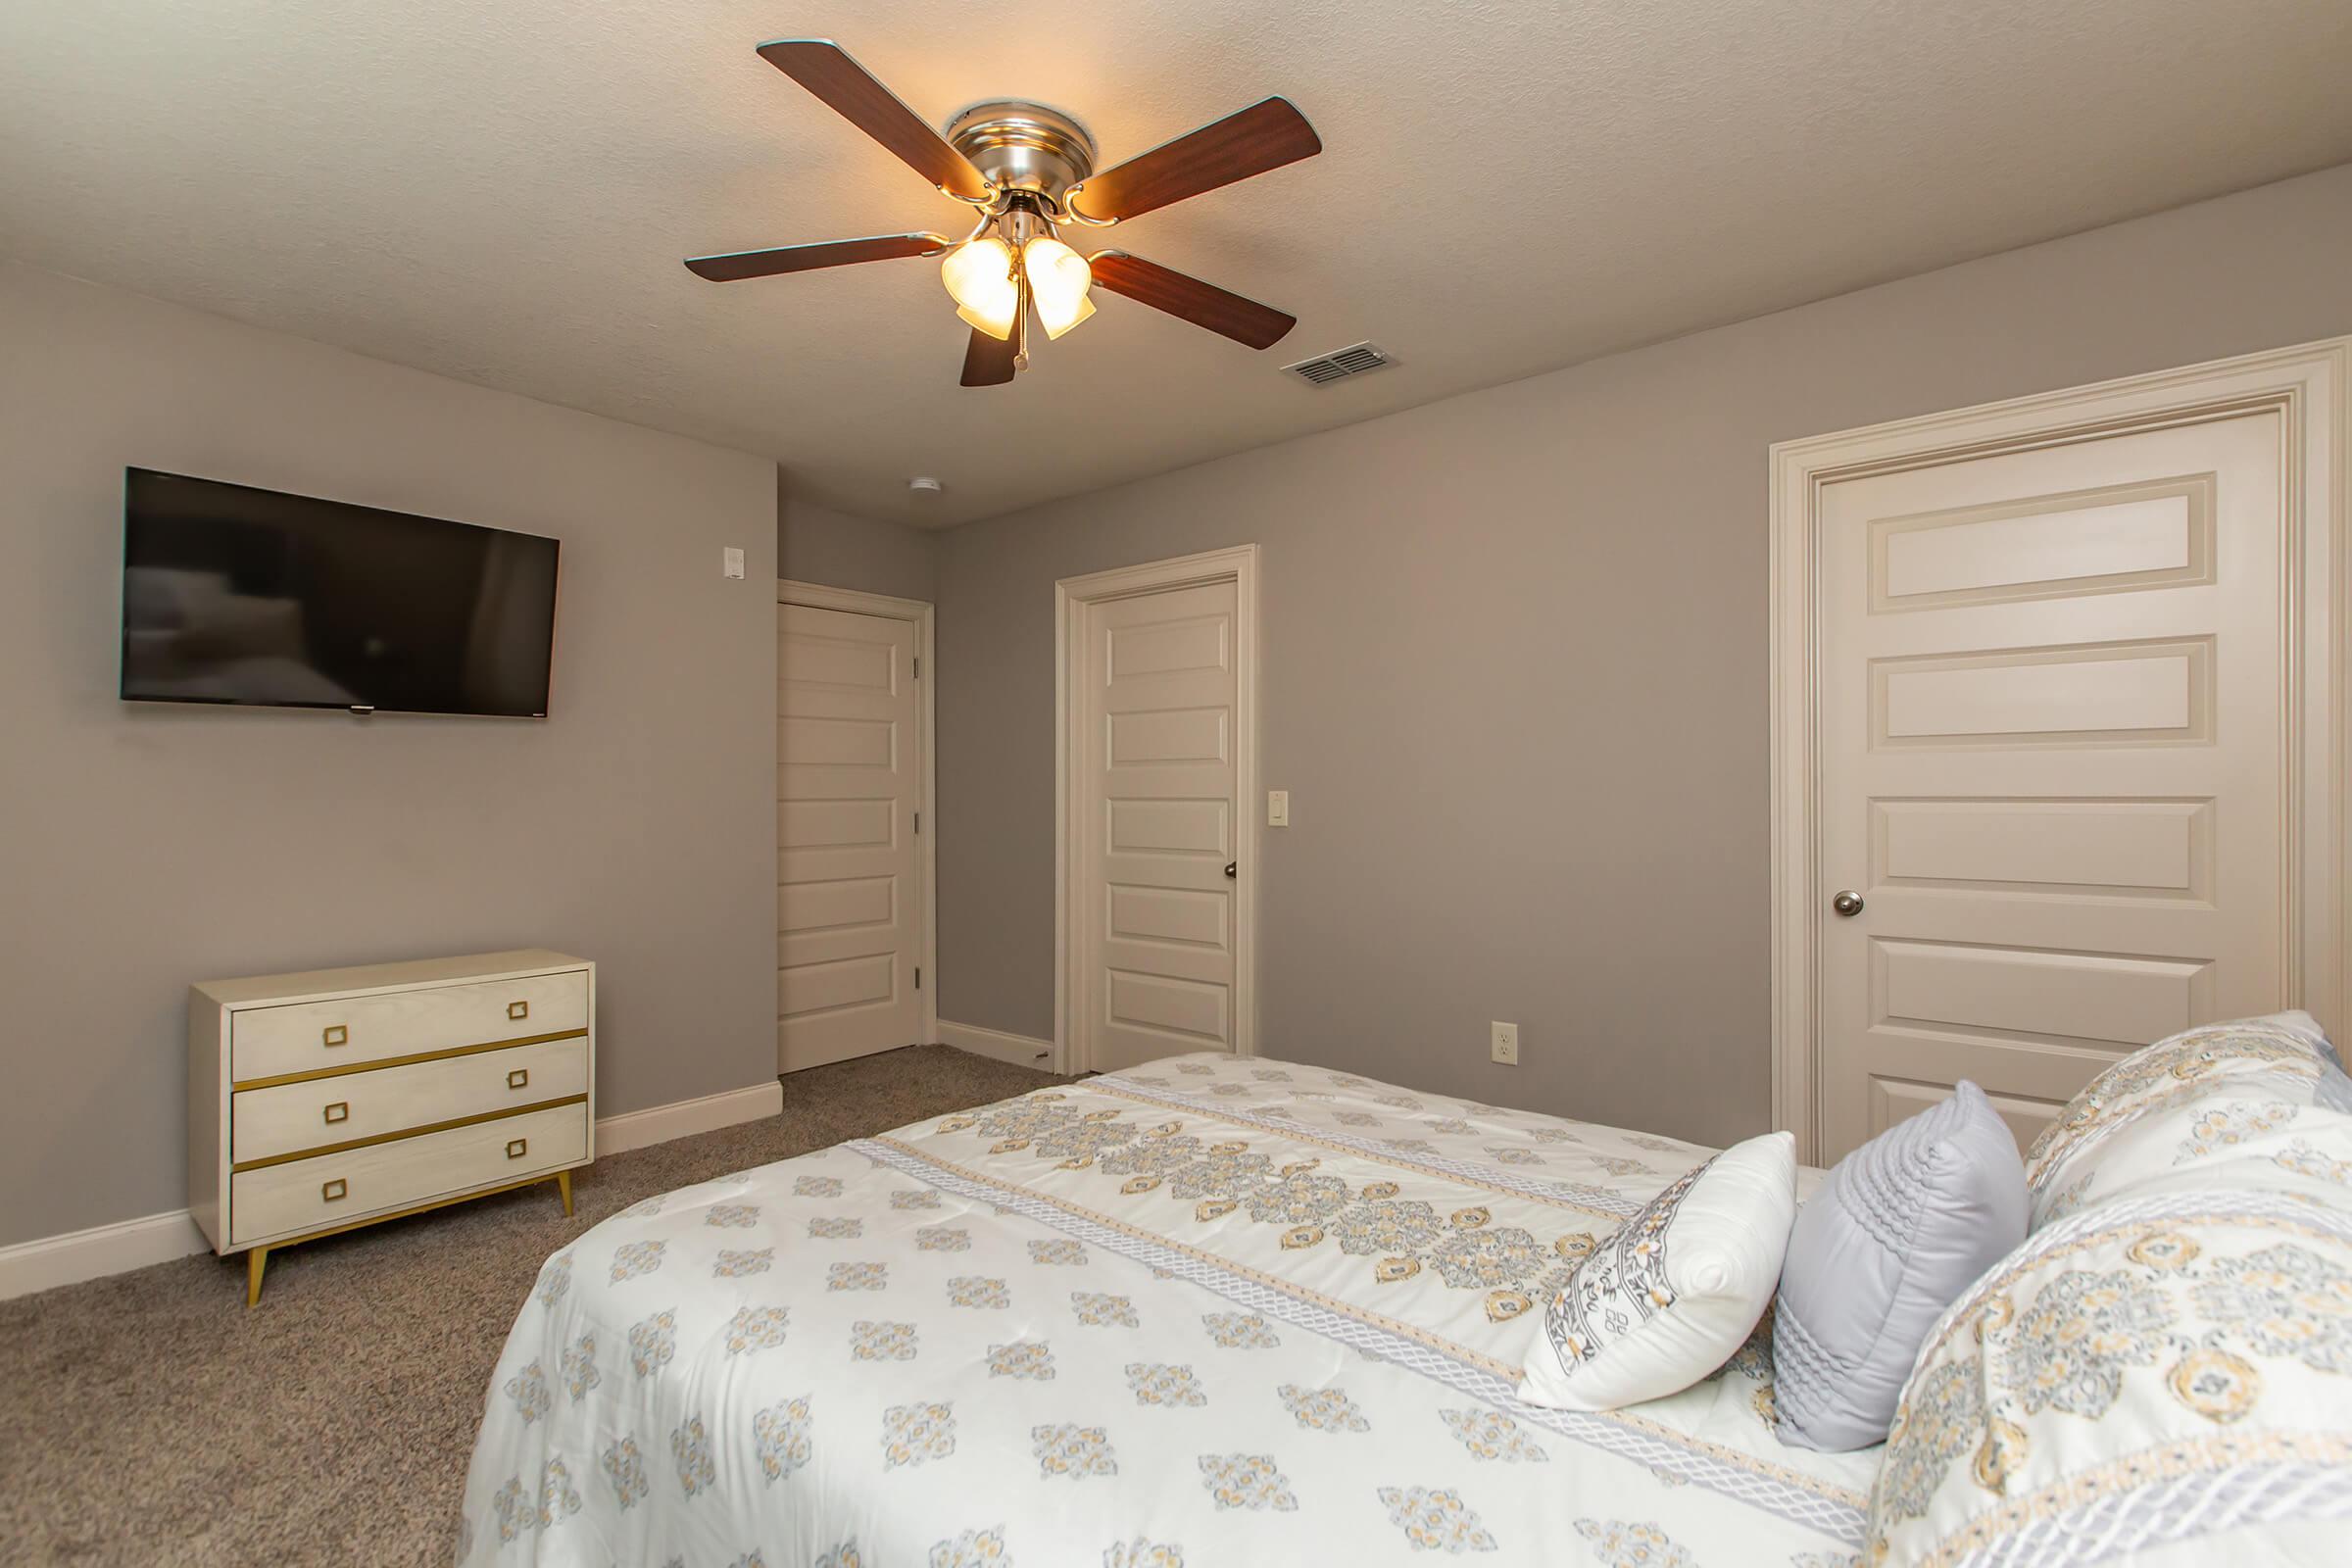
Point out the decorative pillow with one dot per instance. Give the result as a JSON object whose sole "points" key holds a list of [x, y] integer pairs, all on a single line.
{"points": [[1902, 1226], [2146, 1375], [1670, 1297], [2239, 1092]]}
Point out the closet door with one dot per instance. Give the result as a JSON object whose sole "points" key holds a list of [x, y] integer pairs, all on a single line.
{"points": [[1156, 930], [849, 777]]}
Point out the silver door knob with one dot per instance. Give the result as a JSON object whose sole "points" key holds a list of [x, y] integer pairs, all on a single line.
{"points": [[1847, 902]]}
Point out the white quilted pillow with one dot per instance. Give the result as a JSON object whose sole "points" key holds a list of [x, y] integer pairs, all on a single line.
{"points": [[1670, 1297]]}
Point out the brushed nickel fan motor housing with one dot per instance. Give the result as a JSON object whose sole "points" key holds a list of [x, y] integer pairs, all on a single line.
{"points": [[1019, 145]]}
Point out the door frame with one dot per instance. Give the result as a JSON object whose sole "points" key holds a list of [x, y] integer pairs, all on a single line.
{"points": [[817, 596], [2310, 385], [1072, 596]]}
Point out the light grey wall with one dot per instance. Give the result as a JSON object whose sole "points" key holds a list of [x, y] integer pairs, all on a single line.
{"points": [[143, 847], [817, 544], [1514, 666]]}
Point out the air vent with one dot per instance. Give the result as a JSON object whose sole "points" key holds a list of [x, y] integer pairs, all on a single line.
{"points": [[1339, 364]]}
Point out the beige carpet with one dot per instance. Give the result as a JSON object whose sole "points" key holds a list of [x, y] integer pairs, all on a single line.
{"points": [[151, 1419]]}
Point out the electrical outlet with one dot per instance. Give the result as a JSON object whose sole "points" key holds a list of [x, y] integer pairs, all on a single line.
{"points": [[1506, 1043]]}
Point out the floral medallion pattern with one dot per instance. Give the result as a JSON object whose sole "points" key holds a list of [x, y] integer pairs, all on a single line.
{"points": [[1064, 1448], [857, 1277], [755, 1328], [1246, 1480], [781, 1438], [2227, 1127], [943, 1239], [624, 1471], [1155, 1384], [690, 1447], [1098, 1311], [554, 1280], [740, 1216], [2288, 1302], [914, 1198], [1143, 1553], [636, 1259], [1030, 1359], [1491, 1435], [734, 1265], [1436, 1520], [835, 1228], [1623, 1544], [914, 1434], [1240, 1331], [1322, 1410], [973, 1548], [528, 1389], [1054, 1252], [882, 1342], [974, 1291], [579, 1367], [817, 1187], [653, 1343], [2070, 1349]]}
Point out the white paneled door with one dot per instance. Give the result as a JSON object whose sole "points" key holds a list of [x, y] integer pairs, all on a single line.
{"points": [[2053, 698], [1155, 680], [848, 784]]}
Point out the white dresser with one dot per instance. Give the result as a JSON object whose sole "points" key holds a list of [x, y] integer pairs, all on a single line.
{"points": [[321, 1101]]}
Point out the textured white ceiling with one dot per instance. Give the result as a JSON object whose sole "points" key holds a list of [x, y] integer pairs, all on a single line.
{"points": [[501, 190]]}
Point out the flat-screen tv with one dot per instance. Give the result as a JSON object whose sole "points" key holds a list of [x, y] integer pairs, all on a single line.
{"points": [[242, 596]]}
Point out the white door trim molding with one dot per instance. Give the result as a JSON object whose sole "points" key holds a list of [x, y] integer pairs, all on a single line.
{"points": [[817, 596], [1237, 564], [2310, 385]]}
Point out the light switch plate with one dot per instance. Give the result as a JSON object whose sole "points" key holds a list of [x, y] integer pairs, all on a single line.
{"points": [[1278, 808], [731, 561]]}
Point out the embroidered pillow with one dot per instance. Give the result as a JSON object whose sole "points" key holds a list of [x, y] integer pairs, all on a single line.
{"points": [[2160, 1372], [1902, 1226], [2233, 1093], [1668, 1298]]}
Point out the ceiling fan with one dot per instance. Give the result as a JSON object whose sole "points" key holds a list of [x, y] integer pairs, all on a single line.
{"points": [[1028, 171]]}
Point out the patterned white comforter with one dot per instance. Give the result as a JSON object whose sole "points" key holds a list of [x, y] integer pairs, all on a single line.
{"points": [[1208, 1312]]}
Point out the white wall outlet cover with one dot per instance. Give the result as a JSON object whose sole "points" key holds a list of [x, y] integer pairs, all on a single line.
{"points": [[731, 561], [1278, 808]]}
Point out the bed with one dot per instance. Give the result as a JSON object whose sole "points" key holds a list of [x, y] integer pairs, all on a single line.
{"points": [[1208, 1312]]}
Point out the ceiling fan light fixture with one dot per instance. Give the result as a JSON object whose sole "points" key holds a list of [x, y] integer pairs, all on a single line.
{"points": [[1059, 280], [979, 279]]}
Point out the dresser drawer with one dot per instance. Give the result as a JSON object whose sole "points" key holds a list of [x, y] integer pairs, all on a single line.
{"points": [[351, 1106], [330, 1190], [304, 1037]]}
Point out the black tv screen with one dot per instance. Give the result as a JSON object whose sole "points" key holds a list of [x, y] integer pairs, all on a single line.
{"points": [[243, 595]]}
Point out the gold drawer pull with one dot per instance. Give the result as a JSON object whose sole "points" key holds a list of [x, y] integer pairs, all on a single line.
{"points": [[517, 1148], [331, 1191], [519, 1078], [335, 1034], [340, 1110], [518, 1009]]}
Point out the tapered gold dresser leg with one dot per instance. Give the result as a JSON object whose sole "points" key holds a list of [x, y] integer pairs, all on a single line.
{"points": [[256, 1260], [563, 1186]]}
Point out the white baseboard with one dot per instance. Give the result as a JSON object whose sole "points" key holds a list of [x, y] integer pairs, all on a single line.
{"points": [[116, 1249], [1019, 1049], [125, 1245], [617, 1135]]}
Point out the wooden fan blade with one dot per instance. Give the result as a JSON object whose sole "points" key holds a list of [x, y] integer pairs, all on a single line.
{"points": [[826, 70], [739, 265], [987, 361], [1246, 321], [1262, 136]]}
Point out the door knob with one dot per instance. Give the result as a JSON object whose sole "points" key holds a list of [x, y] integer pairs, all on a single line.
{"points": [[1233, 868], [1847, 902]]}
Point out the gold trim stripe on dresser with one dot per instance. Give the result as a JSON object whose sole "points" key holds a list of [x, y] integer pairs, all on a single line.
{"points": [[403, 1062], [500, 1114]]}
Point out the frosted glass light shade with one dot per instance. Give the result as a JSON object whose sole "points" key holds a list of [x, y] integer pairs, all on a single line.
{"points": [[979, 278], [1059, 278]]}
